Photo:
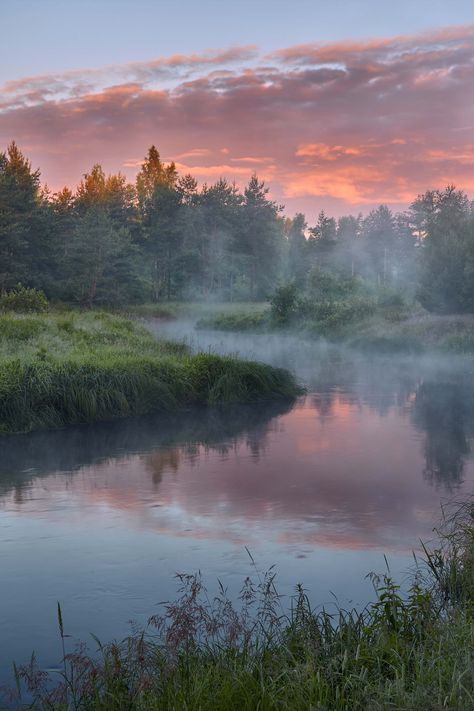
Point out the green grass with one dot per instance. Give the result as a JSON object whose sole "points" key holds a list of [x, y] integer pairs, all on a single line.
{"points": [[73, 367], [194, 309], [363, 325], [405, 652]]}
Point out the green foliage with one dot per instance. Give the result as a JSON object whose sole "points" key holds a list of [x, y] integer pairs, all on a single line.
{"points": [[327, 317], [284, 303], [391, 299], [23, 299], [111, 243], [328, 303], [446, 222], [392, 305], [96, 366], [22, 223], [332, 287], [94, 261], [297, 249]]}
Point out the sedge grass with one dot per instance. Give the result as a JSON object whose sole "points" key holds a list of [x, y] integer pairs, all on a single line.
{"points": [[58, 369]]}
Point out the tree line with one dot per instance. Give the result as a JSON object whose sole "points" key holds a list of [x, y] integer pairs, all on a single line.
{"points": [[111, 242]]}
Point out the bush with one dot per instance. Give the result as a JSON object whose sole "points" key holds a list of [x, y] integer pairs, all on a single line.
{"points": [[284, 303], [326, 316], [24, 300]]}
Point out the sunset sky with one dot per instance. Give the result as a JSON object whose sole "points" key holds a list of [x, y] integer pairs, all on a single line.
{"points": [[338, 105]]}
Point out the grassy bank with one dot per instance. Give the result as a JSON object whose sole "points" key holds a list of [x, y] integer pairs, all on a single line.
{"points": [[201, 310], [402, 652], [417, 331], [365, 326], [73, 367]]}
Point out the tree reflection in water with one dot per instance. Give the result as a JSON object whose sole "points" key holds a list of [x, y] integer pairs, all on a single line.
{"points": [[445, 413]]}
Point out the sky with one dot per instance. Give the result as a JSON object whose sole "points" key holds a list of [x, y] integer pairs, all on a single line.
{"points": [[337, 105]]}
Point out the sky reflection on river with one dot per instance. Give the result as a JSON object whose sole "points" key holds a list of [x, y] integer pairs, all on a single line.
{"points": [[351, 479]]}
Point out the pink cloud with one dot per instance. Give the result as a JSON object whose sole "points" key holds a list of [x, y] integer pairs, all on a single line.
{"points": [[253, 160], [347, 125]]}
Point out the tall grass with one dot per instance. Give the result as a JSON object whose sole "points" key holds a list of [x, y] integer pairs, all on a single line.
{"points": [[404, 652], [68, 368]]}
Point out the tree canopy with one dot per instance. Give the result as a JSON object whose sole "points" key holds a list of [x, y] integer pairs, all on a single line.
{"points": [[166, 237]]}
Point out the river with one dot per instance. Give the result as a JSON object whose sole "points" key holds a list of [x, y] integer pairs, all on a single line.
{"points": [[346, 479]]}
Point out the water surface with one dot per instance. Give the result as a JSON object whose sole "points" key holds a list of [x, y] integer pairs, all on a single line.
{"points": [[101, 517]]}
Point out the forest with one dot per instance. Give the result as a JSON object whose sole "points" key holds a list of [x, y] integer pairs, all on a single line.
{"points": [[110, 243]]}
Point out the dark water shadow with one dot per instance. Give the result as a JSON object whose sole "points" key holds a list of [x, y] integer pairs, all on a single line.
{"points": [[26, 457]]}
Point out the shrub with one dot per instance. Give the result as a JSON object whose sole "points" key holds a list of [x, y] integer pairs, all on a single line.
{"points": [[284, 303], [326, 316], [23, 299]]}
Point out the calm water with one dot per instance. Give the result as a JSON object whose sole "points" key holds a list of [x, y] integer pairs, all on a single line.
{"points": [[102, 517]]}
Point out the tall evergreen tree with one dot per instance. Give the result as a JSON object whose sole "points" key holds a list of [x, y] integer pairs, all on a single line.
{"points": [[22, 226], [261, 237], [379, 237], [443, 220], [160, 203], [297, 250]]}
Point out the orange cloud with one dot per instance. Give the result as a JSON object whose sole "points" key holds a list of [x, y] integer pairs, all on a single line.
{"points": [[347, 125], [214, 172]]}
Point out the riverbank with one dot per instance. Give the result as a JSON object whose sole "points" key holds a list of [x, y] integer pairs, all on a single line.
{"points": [[404, 652], [70, 367], [384, 329]]}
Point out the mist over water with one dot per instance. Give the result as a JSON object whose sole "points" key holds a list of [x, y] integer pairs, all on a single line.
{"points": [[101, 517]]}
